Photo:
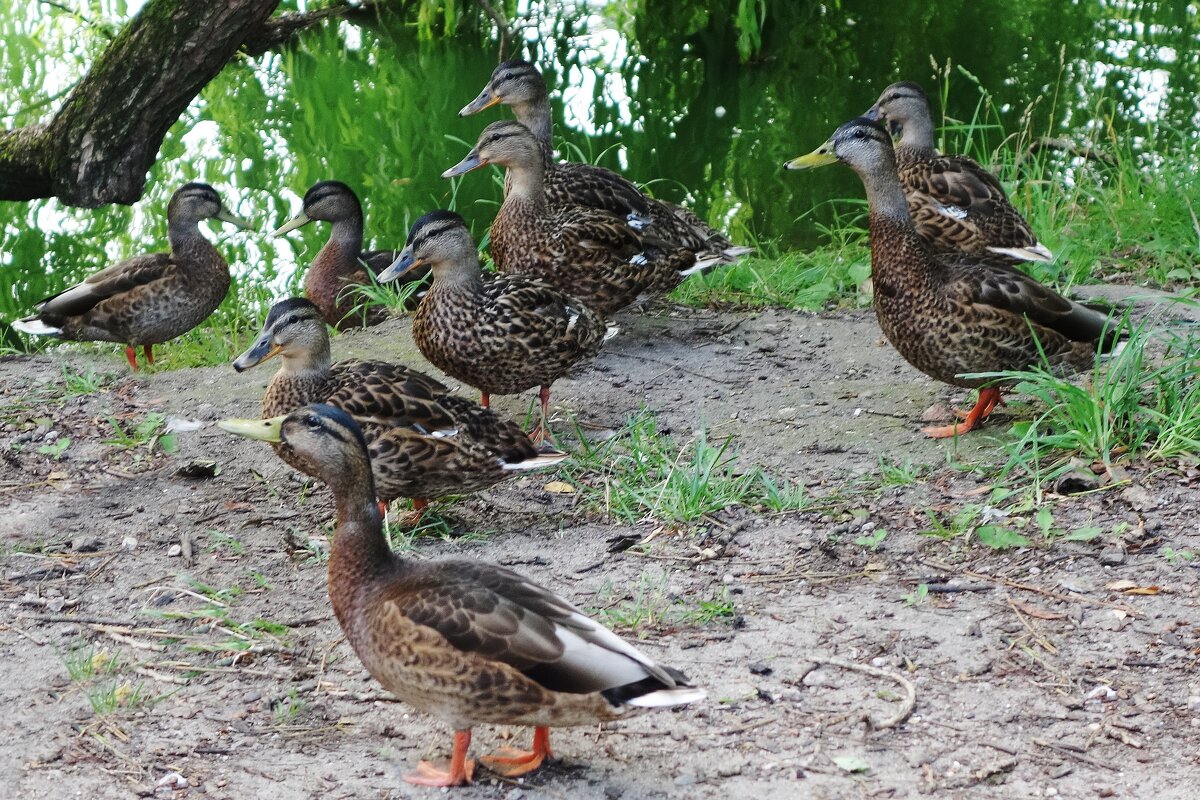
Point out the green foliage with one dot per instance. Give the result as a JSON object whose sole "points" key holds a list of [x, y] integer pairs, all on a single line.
{"points": [[641, 472], [652, 607], [148, 433]]}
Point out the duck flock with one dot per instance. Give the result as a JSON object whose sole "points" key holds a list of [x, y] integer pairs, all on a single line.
{"points": [[573, 244]]}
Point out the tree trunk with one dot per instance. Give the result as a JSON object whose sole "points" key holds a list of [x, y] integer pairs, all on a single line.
{"points": [[99, 145]]}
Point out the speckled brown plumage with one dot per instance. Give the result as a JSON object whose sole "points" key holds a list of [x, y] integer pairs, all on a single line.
{"points": [[585, 252], [466, 642], [957, 313], [342, 263], [956, 205], [519, 85], [424, 441], [501, 334], [148, 299]]}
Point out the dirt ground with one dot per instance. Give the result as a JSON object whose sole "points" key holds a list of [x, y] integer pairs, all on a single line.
{"points": [[1067, 670]]}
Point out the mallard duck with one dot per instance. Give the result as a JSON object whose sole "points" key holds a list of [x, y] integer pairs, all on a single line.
{"points": [[956, 205], [501, 334], [522, 88], [148, 299], [467, 642], [342, 263], [588, 253], [955, 314], [424, 441]]}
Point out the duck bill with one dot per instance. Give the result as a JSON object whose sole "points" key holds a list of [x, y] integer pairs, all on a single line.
{"points": [[298, 221], [472, 161], [485, 100], [225, 215], [405, 263], [264, 430], [873, 114], [262, 350], [822, 156]]}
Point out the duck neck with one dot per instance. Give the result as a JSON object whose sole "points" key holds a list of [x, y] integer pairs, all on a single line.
{"points": [[525, 182], [186, 240], [462, 275], [359, 551], [916, 135], [536, 116], [346, 241]]}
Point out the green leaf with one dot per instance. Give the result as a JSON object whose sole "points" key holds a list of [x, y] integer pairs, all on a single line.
{"points": [[1084, 534], [852, 763], [999, 538]]}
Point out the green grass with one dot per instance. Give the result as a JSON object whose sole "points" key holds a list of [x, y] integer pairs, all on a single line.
{"points": [[1137, 404], [652, 607], [641, 473], [149, 432]]}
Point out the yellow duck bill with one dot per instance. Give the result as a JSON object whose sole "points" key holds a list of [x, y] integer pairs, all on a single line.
{"points": [[821, 157], [485, 100], [298, 221], [265, 430]]}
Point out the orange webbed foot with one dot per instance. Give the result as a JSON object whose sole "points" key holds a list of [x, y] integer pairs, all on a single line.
{"points": [[459, 772], [427, 774], [512, 763], [989, 398]]}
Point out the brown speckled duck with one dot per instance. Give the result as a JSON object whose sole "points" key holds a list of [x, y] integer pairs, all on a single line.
{"points": [[147, 300], [424, 441], [956, 204], [955, 314], [520, 86], [342, 262], [501, 334], [588, 253], [464, 641]]}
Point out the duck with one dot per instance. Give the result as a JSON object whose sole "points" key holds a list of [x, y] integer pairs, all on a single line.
{"points": [[519, 85], [956, 204], [424, 441], [342, 262], [955, 314], [465, 641], [499, 333], [589, 253], [148, 299]]}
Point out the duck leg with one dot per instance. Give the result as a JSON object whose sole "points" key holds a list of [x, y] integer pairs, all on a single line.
{"points": [[149, 351], [512, 763], [131, 355], [411, 518], [539, 434], [459, 772], [989, 398]]}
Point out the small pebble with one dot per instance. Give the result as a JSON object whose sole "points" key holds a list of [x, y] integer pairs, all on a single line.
{"points": [[759, 668], [174, 551], [129, 543]]}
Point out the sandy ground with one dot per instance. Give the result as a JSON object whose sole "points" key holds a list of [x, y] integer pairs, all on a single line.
{"points": [[1067, 670]]}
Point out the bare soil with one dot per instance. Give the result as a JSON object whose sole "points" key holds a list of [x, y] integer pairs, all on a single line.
{"points": [[1066, 669]]}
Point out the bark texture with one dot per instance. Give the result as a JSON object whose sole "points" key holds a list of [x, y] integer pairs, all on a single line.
{"points": [[98, 146]]}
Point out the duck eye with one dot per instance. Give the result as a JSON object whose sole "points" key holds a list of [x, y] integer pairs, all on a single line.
{"points": [[508, 76], [313, 422], [293, 319]]}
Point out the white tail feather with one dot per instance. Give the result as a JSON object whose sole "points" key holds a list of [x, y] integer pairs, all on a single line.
{"points": [[1037, 252], [737, 251], [610, 331], [35, 327], [665, 698], [702, 264], [537, 462]]}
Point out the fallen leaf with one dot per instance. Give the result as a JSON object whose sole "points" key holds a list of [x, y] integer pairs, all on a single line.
{"points": [[1120, 586], [1035, 612], [559, 487], [1142, 590], [852, 763]]}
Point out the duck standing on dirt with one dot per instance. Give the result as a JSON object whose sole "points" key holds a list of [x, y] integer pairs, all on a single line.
{"points": [[589, 253], [520, 86], [342, 263], [424, 441], [149, 299], [501, 334], [956, 204], [955, 314], [467, 642]]}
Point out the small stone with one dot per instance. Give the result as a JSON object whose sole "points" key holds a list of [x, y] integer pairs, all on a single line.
{"points": [[85, 544], [515, 794], [1103, 790], [174, 551], [1112, 557], [252, 696], [1061, 771], [686, 779], [129, 543], [759, 668]]}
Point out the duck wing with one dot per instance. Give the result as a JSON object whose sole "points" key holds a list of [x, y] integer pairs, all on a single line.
{"points": [[115, 280], [501, 615]]}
